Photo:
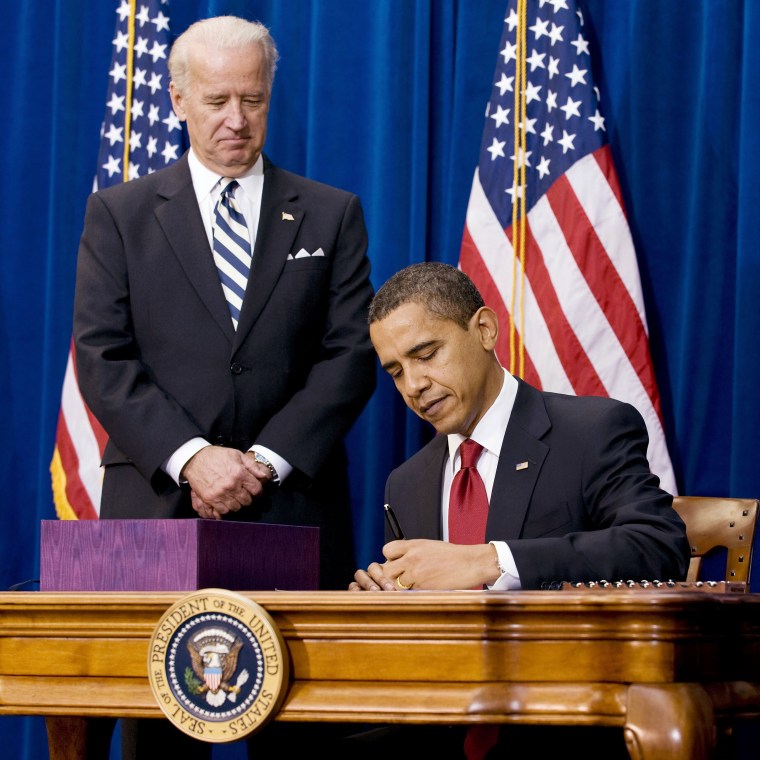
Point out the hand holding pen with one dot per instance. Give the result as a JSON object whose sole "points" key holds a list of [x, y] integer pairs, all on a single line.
{"points": [[390, 515], [374, 578]]}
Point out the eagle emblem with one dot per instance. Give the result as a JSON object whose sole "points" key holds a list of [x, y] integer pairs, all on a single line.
{"points": [[214, 656]]}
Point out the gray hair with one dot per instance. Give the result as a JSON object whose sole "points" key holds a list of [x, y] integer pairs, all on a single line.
{"points": [[225, 32], [441, 288]]}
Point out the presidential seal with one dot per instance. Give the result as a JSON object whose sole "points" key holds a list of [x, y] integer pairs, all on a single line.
{"points": [[217, 665]]}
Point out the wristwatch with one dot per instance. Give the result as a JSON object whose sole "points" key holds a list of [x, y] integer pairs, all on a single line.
{"points": [[263, 460]]}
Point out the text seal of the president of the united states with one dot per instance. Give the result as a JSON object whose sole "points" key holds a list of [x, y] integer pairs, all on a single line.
{"points": [[217, 665]]}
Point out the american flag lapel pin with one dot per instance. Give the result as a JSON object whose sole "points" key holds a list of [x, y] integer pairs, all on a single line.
{"points": [[286, 217], [521, 466]]}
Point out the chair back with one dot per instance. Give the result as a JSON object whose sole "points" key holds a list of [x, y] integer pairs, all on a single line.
{"points": [[713, 524]]}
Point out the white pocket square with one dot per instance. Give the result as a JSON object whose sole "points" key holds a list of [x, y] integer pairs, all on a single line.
{"points": [[304, 254]]}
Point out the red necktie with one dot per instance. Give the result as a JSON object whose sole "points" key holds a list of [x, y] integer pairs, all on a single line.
{"points": [[468, 502], [480, 740], [468, 514]]}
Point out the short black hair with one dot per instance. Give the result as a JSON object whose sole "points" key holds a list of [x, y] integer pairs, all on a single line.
{"points": [[441, 288]]}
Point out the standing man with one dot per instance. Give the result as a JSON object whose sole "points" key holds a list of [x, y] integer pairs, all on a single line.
{"points": [[559, 486], [220, 316], [220, 324]]}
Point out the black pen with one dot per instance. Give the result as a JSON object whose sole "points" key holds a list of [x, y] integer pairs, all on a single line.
{"points": [[393, 522]]}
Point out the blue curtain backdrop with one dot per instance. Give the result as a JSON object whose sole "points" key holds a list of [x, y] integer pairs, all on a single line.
{"points": [[386, 98]]}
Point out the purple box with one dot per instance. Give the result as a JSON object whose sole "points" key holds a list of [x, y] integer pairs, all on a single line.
{"points": [[177, 555]]}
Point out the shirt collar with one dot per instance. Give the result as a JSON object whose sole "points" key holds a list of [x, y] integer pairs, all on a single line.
{"points": [[205, 180], [489, 432]]}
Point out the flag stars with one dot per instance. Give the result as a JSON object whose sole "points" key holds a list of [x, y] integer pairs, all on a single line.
{"points": [[559, 5], [152, 147], [135, 141], [118, 72], [505, 83], [501, 116], [598, 121], [137, 109], [155, 82], [153, 115], [531, 92], [577, 76], [540, 28], [172, 122], [161, 22], [496, 149], [551, 100], [143, 16], [121, 42], [581, 45], [509, 52], [123, 10], [555, 35], [114, 134], [116, 103], [169, 152], [515, 191], [536, 60], [548, 134], [553, 67], [158, 51], [512, 20], [522, 158], [112, 166], [139, 78], [567, 142], [571, 108], [134, 171], [141, 47], [530, 126], [543, 167]]}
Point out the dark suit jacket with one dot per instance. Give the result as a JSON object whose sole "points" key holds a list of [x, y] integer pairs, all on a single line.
{"points": [[586, 508], [159, 361]]}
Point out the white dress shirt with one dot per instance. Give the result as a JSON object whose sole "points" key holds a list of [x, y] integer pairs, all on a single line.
{"points": [[489, 433], [248, 195]]}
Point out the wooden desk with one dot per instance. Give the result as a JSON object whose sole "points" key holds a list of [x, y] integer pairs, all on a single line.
{"points": [[647, 661]]}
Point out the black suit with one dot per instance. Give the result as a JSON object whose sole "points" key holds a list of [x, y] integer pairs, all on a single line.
{"points": [[585, 508], [160, 363]]}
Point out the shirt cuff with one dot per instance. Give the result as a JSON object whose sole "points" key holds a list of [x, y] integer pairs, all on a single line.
{"points": [[174, 464], [509, 580]]}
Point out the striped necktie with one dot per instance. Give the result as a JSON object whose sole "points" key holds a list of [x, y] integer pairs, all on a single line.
{"points": [[232, 248]]}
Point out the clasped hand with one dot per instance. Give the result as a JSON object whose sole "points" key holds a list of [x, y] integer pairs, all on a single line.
{"points": [[224, 480]]}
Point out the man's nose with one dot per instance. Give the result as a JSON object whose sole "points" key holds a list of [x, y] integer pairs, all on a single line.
{"points": [[234, 116], [416, 380]]}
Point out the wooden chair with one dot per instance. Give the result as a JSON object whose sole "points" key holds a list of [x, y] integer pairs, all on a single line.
{"points": [[713, 524]]}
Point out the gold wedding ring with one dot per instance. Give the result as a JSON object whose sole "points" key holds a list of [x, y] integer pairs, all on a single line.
{"points": [[401, 585]]}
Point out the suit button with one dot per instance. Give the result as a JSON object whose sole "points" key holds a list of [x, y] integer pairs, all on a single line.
{"points": [[236, 369]]}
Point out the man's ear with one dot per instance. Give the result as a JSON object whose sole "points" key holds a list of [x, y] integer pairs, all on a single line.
{"points": [[176, 97], [485, 321]]}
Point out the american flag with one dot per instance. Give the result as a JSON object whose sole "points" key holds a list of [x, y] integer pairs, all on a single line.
{"points": [[140, 133], [546, 238]]}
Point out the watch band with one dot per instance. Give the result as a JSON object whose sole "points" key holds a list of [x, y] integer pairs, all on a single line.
{"points": [[263, 460]]}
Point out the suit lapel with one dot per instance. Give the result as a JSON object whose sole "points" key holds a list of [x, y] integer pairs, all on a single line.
{"points": [[180, 219], [279, 222], [520, 461], [426, 509]]}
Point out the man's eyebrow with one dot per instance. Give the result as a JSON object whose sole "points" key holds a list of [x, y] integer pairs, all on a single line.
{"points": [[413, 351]]}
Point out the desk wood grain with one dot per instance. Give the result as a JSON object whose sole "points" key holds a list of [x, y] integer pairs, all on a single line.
{"points": [[646, 662]]}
